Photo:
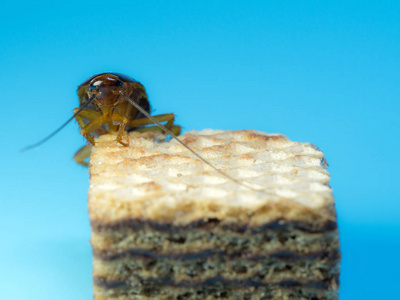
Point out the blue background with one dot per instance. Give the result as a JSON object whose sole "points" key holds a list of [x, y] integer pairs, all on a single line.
{"points": [[319, 72]]}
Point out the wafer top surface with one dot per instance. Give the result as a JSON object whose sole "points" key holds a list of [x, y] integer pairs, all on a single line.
{"points": [[161, 181]]}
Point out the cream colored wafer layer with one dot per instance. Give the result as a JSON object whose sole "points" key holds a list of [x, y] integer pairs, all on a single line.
{"points": [[160, 180]]}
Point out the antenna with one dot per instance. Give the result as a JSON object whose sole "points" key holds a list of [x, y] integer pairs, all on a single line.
{"points": [[59, 129]]}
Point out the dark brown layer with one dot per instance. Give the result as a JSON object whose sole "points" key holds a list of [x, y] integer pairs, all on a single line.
{"points": [[213, 292], [221, 282], [283, 255], [138, 224]]}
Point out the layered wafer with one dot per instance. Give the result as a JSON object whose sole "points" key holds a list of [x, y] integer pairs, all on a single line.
{"points": [[167, 226]]}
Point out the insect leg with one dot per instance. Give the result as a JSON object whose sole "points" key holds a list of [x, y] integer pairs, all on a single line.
{"points": [[90, 115], [82, 154], [93, 125], [169, 118], [122, 122], [176, 129], [86, 113], [121, 132]]}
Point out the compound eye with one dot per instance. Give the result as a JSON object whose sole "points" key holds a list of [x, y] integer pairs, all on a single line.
{"points": [[119, 83], [93, 87]]}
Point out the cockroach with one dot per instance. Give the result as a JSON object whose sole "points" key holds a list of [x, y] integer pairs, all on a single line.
{"points": [[113, 102]]}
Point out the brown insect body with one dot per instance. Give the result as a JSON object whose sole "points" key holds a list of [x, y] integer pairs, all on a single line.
{"points": [[106, 86], [104, 108]]}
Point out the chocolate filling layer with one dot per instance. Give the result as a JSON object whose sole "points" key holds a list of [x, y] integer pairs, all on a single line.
{"points": [[138, 224], [283, 255], [220, 281]]}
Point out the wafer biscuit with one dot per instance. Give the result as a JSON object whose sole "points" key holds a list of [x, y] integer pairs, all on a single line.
{"points": [[167, 226]]}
